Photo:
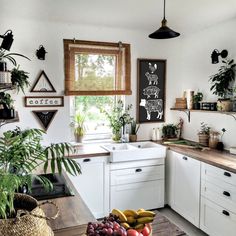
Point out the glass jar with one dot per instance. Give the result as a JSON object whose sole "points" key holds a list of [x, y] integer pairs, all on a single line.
{"points": [[214, 139]]}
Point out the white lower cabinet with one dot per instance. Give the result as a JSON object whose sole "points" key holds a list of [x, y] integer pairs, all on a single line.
{"points": [[183, 192], [216, 220], [137, 185], [93, 184], [218, 201]]}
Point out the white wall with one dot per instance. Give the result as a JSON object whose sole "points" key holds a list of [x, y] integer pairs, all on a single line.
{"points": [[188, 66], [30, 34], [196, 68]]}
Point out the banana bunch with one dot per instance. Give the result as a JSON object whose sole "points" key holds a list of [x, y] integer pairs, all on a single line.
{"points": [[131, 219]]}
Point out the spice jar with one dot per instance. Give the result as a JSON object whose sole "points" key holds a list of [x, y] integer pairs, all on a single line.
{"points": [[214, 139]]}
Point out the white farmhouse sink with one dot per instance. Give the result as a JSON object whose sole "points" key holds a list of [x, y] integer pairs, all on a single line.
{"points": [[121, 152]]}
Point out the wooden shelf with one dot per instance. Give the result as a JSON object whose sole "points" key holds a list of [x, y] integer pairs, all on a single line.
{"points": [[188, 112], [8, 121]]}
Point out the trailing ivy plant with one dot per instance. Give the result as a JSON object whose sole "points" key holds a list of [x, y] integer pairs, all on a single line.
{"points": [[6, 100], [222, 82], [21, 153]]}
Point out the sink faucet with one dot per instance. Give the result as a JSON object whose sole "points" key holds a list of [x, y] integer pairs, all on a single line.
{"points": [[123, 131]]}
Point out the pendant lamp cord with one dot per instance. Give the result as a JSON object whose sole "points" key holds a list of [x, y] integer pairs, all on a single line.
{"points": [[164, 9]]}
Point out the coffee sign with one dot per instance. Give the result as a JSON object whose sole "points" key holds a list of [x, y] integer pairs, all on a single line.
{"points": [[40, 101]]}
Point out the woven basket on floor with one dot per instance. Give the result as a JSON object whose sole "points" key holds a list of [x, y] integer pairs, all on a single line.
{"points": [[30, 219]]}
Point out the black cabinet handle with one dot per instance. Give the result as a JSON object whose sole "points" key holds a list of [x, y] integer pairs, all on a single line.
{"points": [[185, 158], [138, 170], [225, 213], [87, 160], [227, 174], [226, 193]]}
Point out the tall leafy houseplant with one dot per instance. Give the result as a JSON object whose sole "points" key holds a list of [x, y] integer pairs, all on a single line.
{"points": [[222, 84], [21, 153], [118, 117]]}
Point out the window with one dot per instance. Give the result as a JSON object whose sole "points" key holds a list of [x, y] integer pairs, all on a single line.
{"points": [[96, 123], [96, 68]]}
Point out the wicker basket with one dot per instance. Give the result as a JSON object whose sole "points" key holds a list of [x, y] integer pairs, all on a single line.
{"points": [[30, 219]]}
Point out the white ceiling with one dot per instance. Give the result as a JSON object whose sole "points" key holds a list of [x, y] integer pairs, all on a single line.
{"points": [[185, 16]]}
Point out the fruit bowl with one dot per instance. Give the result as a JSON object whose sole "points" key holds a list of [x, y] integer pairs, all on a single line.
{"points": [[123, 223]]}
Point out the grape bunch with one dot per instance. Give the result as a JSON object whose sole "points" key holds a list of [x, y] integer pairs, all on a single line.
{"points": [[108, 227]]}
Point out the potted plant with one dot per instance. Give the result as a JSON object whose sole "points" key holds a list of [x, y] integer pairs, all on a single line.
{"points": [[79, 127], [220, 144], [134, 131], [169, 131], [6, 106], [118, 118], [203, 134], [197, 98], [222, 83], [21, 153], [4, 73], [19, 79]]}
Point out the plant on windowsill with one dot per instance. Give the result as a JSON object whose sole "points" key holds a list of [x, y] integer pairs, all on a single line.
{"points": [[134, 131], [21, 153], [118, 117], [79, 128], [203, 134], [222, 83]]}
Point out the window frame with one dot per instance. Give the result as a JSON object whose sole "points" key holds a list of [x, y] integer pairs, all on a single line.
{"points": [[69, 64]]}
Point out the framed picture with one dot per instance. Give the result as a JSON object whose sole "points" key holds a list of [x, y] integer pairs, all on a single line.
{"points": [[151, 90], [42, 84], [45, 117], [42, 101]]}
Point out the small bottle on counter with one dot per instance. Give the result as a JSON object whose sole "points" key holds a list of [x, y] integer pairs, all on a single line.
{"points": [[158, 133], [154, 136]]}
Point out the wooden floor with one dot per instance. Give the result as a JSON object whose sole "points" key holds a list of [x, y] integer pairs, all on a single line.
{"points": [[161, 226]]}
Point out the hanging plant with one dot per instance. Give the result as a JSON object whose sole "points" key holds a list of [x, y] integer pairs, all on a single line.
{"points": [[19, 79]]}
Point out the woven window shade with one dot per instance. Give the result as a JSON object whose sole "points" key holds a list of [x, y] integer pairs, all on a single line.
{"points": [[96, 68]]}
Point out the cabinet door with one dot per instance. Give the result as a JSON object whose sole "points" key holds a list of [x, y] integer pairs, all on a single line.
{"points": [[216, 220], [147, 195], [186, 187], [93, 184]]}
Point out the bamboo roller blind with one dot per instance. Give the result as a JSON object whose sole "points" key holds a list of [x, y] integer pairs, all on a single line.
{"points": [[80, 80]]}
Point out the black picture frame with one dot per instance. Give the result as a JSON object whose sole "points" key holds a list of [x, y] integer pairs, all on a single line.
{"points": [[151, 90]]}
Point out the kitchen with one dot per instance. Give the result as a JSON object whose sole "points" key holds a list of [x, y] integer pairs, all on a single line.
{"points": [[202, 27]]}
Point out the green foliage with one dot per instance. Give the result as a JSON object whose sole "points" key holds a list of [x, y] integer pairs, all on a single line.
{"points": [[169, 131], [134, 127], [19, 79], [118, 117], [197, 97], [6, 101], [20, 153], [204, 129], [79, 124], [10, 57], [222, 81]]}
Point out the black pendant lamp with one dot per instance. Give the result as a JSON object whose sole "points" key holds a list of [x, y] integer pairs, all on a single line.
{"points": [[164, 32]]}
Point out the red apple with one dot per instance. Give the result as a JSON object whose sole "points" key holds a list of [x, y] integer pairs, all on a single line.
{"points": [[132, 232], [146, 230]]}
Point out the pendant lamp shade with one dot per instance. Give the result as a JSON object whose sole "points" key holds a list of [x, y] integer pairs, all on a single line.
{"points": [[164, 32]]}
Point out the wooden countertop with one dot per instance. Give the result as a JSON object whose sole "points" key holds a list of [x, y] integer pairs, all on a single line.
{"points": [[74, 214], [89, 150], [223, 160]]}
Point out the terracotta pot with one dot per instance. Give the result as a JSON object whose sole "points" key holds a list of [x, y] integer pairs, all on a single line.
{"points": [[204, 139], [132, 137], [224, 105]]}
